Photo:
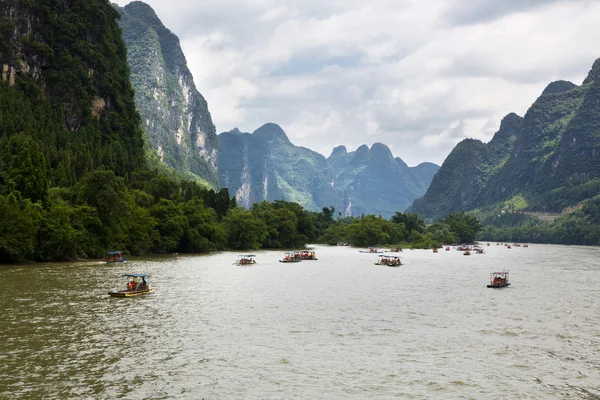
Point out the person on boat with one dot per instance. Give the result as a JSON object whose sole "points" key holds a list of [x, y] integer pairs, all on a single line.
{"points": [[144, 284]]}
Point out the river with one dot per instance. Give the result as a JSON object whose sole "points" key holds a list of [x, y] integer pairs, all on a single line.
{"points": [[336, 328]]}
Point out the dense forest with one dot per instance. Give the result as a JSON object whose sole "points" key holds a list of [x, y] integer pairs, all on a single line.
{"points": [[581, 226]]}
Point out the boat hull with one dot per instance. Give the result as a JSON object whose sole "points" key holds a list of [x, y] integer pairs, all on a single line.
{"points": [[130, 293], [370, 252], [290, 261], [498, 286]]}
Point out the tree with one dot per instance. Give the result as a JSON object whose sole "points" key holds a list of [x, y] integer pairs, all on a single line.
{"points": [[244, 230], [463, 226], [20, 220]]}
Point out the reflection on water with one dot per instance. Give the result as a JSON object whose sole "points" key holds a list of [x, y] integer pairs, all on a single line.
{"points": [[339, 327]]}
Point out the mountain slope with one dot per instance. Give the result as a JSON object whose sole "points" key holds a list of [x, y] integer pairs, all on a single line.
{"points": [[373, 181], [466, 171], [174, 113], [265, 165], [66, 85], [552, 161]]}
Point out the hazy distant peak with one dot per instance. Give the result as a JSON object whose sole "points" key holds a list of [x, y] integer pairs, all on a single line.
{"points": [[594, 74], [558, 87], [338, 151], [401, 162], [381, 152], [271, 131]]}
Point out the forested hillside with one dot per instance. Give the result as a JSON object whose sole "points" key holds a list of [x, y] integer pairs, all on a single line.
{"points": [[546, 161], [74, 181]]}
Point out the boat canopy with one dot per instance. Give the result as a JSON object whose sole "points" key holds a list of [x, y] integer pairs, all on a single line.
{"points": [[114, 252], [136, 275], [247, 255]]}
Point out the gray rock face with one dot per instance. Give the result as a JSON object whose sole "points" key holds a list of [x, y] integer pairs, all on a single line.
{"points": [[174, 114], [265, 165]]}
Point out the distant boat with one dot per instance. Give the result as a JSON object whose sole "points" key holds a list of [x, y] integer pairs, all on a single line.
{"points": [[394, 261], [371, 250], [291, 258], [435, 250], [498, 279], [307, 255], [467, 253], [114, 257], [245, 259], [396, 250], [134, 286]]}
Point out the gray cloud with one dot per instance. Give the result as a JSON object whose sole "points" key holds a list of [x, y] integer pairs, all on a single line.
{"points": [[479, 11], [417, 76]]}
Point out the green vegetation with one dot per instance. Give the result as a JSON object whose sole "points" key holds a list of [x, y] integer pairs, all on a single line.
{"points": [[581, 226], [265, 165], [546, 162], [405, 228]]}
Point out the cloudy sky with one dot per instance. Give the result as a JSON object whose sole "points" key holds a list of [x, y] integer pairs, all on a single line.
{"points": [[416, 75]]}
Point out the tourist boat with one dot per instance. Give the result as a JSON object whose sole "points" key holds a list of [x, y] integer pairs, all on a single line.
{"points": [[448, 248], [245, 259], [525, 245], [479, 251], [498, 279], [134, 286], [291, 258], [112, 257], [383, 260], [306, 255], [467, 253], [435, 250], [396, 250], [372, 250], [394, 261], [508, 246]]}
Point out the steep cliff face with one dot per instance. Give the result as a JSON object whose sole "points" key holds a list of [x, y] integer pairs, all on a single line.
{"points": [[174, 114], [552, 160], [265, 165]]}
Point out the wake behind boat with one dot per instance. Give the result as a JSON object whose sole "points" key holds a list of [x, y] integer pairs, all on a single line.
{"points": [[137, 284]]}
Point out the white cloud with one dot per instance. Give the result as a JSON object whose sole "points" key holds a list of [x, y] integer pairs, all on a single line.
{"points": [[405, 73]]}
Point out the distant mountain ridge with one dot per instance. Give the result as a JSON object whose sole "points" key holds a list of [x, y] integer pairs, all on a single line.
{"points": [[265, 165], [549, 159], [175, 116]]}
